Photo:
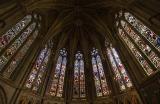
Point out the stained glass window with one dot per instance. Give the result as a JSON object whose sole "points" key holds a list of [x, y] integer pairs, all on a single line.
{"points": [[101, 85], [19, 56], [6, 38], [38, 70], [120, 74], [135, 51], [15, 43], [143, 30], [56, 84], [142, 41], [10, 51], [144, 46], [79, 77]]}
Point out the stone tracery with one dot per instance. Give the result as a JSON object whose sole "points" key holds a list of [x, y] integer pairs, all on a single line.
{"points": [[43, 71]]}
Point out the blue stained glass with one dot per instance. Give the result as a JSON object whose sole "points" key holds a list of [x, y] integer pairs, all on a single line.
{"points": [[36, 68], [40, 76], [79, 78], [99, 76], [57, 82], [120, 73]]}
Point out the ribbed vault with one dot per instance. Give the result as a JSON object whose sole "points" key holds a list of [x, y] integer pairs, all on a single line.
{"points": [[74, 38], [77, 24]]}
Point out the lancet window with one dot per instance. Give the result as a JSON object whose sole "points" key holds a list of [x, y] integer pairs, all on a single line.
{"points": [[39, 69], [15, 43], [57, 81], [141, 40], [101, 85], [79, 77], [120, 74]]}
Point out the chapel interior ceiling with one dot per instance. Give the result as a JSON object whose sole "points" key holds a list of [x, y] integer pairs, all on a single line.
{"points": [[77, 24]]}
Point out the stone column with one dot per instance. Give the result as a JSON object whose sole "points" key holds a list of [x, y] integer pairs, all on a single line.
{"points": [[69, 79]]}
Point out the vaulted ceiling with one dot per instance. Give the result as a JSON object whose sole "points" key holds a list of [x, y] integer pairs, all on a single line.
{"points": [[77, 24]]}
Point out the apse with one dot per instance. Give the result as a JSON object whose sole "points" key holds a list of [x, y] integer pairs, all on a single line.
{"points": [[79, 52]]}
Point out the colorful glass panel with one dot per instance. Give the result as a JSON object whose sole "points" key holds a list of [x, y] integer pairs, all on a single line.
{"points": [[122, 68], [36, 67], [13, 32], [19, 56], [99, 76], [10, 51], [119, 70], [57, 82], [143, 30], [79, 78], [135, 51], [41, 73], [145, 48], [117, 75]]}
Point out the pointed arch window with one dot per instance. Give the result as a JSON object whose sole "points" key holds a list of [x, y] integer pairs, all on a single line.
{"points": [[143, 30], [57, 83], [101, 85], [144, 46], [142, 42], [13, 47], [38, 71], [6, 38], [19, 56], [79, 77], [119, 70]]}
